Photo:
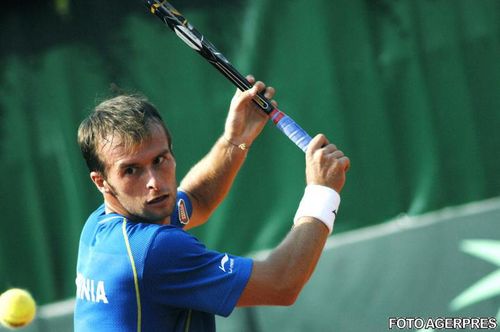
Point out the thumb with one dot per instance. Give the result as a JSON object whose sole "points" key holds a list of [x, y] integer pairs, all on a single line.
{"points": [[256, 88], [245, 96], [250, 80]]}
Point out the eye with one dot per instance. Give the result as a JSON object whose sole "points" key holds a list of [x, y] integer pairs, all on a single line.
{"points": [[159, 160], [130, 171]]}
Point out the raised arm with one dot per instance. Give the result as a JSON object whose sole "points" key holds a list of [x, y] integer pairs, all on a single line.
{"points": [[279, 278], [209, 181]]}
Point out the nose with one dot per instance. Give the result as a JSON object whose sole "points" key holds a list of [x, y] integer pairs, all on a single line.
{"points": [[154, 180]]}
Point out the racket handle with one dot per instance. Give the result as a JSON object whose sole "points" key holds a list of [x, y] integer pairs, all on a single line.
{"points": [[291, 129]]}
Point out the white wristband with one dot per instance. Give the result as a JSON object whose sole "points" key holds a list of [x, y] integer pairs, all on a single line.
{"points": [[319, 202]]}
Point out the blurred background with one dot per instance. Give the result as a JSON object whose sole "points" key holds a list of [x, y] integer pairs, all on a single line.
{"points": [[408, 89]]}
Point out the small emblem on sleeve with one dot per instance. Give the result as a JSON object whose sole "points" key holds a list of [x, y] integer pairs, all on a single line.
{"points": [[223, 264], [183, 214]]}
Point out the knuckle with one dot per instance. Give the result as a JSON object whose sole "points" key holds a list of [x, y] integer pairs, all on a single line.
{"points": [[339, 153], [318, 156], [345, 162]]}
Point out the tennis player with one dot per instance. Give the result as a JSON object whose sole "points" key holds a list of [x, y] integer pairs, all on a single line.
{"points": [[139, 269]]}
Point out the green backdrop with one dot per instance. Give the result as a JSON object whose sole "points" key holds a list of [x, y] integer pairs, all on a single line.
{"points": [[407, 89]]}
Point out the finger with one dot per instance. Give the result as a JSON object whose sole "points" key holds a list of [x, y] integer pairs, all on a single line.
{"points": [[257, 87], [250, 78], [337, 154], [269, 93], [316, 143], [345, 162], [247, 95], [330, 148]]}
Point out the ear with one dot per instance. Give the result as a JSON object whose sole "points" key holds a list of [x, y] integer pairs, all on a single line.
{"points": [[99, 182]]}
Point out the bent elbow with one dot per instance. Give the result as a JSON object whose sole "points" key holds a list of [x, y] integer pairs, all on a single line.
{"points": [[289, 292], [290, 298]]}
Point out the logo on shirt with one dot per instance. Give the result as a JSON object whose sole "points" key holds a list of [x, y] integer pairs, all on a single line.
{"points": [[224, 264], [90, 290], [183, 214]]}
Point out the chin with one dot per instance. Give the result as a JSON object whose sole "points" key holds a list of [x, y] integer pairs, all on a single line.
{"points": [[158, 218]]}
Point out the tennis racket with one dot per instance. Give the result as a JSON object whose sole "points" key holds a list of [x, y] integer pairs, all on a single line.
{"points": [[194, 39]]}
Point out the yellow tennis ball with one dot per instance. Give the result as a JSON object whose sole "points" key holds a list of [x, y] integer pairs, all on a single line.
{"points": [[17, 308]]}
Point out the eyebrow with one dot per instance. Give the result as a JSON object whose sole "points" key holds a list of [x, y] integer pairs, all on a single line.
{"points": [[127, 165], [123, 165]]}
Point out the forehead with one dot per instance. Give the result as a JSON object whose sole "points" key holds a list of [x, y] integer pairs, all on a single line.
{"points": [[114, 151]]}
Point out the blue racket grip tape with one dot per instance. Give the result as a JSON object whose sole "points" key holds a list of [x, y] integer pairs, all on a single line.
{"points": [[291, 129]]}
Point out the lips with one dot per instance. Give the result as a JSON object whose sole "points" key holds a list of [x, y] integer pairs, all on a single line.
{"points": [[157, 200]]}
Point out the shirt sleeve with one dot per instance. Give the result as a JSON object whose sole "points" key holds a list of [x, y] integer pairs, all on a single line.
{"points": [[180, 272], [183, 210]]}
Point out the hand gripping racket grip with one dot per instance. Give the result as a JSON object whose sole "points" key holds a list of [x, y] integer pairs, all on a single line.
{"points": [[282, 121], [291, 129], [194, 39]]}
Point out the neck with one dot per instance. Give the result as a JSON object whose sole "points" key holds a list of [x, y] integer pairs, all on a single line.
{"points": [[111, 206]]}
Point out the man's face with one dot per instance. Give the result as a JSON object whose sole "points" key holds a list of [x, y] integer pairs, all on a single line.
{"points": [[140, 182]]}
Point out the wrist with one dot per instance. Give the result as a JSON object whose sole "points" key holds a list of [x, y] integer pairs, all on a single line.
{"points": [[243, 146], [319, 202]]}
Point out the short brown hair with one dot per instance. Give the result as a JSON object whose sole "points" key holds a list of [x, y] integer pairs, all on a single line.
{"points": [[127, 116]]}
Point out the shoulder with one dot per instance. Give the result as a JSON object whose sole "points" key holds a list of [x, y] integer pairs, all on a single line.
{"points": [[170, 250], [97, 214], [172, 240], [91, 223]]}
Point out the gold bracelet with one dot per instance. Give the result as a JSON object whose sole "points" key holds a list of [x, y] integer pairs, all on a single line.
{"points": [[241, 146]]}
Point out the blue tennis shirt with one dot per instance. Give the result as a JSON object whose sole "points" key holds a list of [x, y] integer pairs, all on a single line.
{"points": [[145, 277]]}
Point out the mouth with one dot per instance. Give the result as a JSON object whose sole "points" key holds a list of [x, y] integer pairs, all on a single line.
{"points": [[157, 200]]}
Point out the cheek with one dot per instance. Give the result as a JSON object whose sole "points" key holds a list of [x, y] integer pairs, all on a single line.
{"points": [[169, 169], [129, 187], [172, 175], [172, 169]]}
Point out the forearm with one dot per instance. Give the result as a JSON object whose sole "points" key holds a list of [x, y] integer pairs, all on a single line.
{"points": [[297, 256], [279, 278], [209, 181]]}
